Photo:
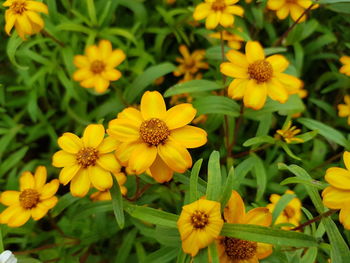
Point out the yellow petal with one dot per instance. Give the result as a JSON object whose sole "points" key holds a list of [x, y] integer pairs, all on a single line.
{"points": [[101, 84], [105, 48], [235, 10], [93, 135], [81, 74], [338, 177], [80, 183], [283, 12], [111, 74], [108, 145], [295, 12], [233, 70], [142, 158], [81, 61], [131, 114], [191, 245], [124, 130], [70, 143], [109, 162], [152, 105], [124, 151], [344, 217], [100, 178], [292, 84], [226, 20], [68, 172], [49, 189], [237, 58], [212, 20], [10, 21], [49, 203], [9, 212], [116, 58], [345, 59], [259, 216], [26, 181], [180, 115], [37, 7], [276, 91], [255, 95], [202, 11], [40, 177], [234, 211], [19, 218], [189, 136], [254, 51], [335, 198], [275, 4], [160, 171], [278, 62], [24, 24], [93, 53], [184, 51], [237, 88], [62, 159], [346, 159], [39, 212], [9, 198], [264, 250], [35, 18]]}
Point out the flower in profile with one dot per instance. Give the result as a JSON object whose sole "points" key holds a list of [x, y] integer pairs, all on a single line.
{"points": [[199, 225], [233, 40], [288, 134], [7, 257], [106, 195], [337, 195], [96, 69], [293, 7], [291, 213], [257, 77], [23, 15], [155, 138], [218, 12], [345, 69], [87, 160], [234, 250], [34, 199], [344, 109], [190, 64]]}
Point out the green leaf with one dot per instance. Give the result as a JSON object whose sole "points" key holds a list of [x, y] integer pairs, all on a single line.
{"points": [[165, 254], [63, 202], [260, 174], [202, 256], [310, 182], [192, 86], [227, 191], [12, 160], [12, 46], [126, 246], [307, 136], [168, 236], [194, 181], [259, 140], [288, 151], [214, 177], [92, 11], [216, 104], [213, 252], [117, 203], [332, 1], [281, 204]]}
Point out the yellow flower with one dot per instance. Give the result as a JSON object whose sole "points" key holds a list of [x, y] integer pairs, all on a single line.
{"points": [[344, 109], [155, 138], [291, 213], [218, 12], [97, 68], [288, 134], [199, 224], [106, 195], [295, 7], [34, 199], [345, 69], [233, 250], [337, 196], [87, 160], [190, 64], [257, 77], [170, 2], [233, 41], [22, 14]]}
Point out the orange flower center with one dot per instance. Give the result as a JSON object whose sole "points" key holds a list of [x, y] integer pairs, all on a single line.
{"points": [[154, 131], [199, 219], [29, 198], [189, 63], [87, 157], [18, 7], [97, 66], [260, 70], [289, 212], [218, 5], [237, 249]]}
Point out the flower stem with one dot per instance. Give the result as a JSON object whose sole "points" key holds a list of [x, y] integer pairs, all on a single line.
{"points": [[45, 33], [315, 219]]}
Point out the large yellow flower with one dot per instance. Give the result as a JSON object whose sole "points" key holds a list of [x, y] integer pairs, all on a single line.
{"points": [[87, 160], [34, 199], [293, 7], [106, 195], [155, 138], [22, 14], [233, 250], [97, 68], [345, 69], [199, 225], [257, 77], [344, 109], [288, 134], [218, 12], [337, 196]]}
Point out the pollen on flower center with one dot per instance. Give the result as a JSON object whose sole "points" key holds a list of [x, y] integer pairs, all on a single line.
{"points": [[29, 198], [154, 131], [218, 5], [97, 66], [199, 219], [260, 70], [289, 212], [237, 249], [87, 157], [18, 7]]}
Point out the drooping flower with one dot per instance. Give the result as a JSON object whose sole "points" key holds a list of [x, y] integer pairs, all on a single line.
{"points": [[155, 138], [35, 198], [218, 12], [87, 160], [23, 15], [291, 213], [344, 109], [96, 69], [345, 69], [106, 195], [293, 7], [199, 225], [288, 134], [233, 250], [7, 257], [233, 40], [337, 195], [257, 77]]}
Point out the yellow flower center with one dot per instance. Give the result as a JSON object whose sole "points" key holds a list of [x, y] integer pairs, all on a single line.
{"points": [[189, 63], [18, 7], [289, 212], [29, 198], [97, 66], [87, 157], [154, 131], [237, 249], [218, 5], [260, 70], [199, 219]]}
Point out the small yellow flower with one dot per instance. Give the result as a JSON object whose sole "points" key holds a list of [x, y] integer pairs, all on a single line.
{"points": [[97, 68], [288, 134], [190, 64], [34, 199], [345, 69], [22, 14], [87, 160], [155, 138], [106, 195], [293, 7], [233, 40], [337, 195], [257, 77], [218, 12], [344, 109], [233, 250], [291, 213], [199, 224], [170, 2]]}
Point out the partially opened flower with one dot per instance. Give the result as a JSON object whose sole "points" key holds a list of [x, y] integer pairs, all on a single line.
{"points": [[199, 225], [87, 160], [155, 138], [345, 69], [96, 69], [23, 15], [106, 194], [233, 40], [344, 109], [234, 250], [288, 134], [7, 257], [35, 198], [256, 77]]}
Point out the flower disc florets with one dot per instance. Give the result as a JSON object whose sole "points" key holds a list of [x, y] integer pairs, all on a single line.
{"points": [[260, 70], [238, 249], [154, 131]]}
